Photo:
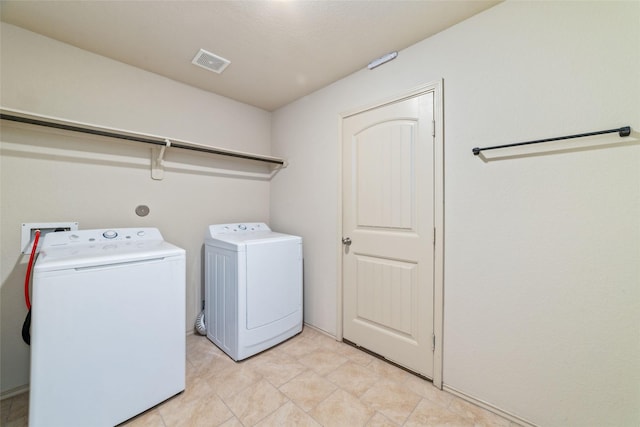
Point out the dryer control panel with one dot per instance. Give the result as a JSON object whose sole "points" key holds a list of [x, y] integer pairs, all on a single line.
{"points": [[84, 237], [248, 227]]}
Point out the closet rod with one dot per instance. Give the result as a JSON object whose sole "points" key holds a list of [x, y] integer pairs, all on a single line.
{"points": [[623, 131], [137, 138]]}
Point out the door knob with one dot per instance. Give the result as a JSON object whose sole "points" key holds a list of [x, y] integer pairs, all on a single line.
{"points": [[346, 241]]}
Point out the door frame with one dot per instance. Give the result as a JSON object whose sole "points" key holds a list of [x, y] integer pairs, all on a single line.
{"points": [[438, 194]]}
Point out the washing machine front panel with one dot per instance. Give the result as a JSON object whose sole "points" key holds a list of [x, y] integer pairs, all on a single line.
{"points": [[108, 340]]}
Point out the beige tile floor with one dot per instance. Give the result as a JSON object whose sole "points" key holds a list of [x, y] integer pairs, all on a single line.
{"points": [[310, 380]]}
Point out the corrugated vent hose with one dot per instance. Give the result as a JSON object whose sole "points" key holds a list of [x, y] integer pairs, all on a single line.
{"points": [[201, 328]]}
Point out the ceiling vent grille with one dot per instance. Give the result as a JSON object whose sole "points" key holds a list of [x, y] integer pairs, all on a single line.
{"points": [[209, 61]]}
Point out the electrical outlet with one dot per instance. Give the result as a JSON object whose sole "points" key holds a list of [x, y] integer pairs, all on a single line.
{"points": [[29, 232]]}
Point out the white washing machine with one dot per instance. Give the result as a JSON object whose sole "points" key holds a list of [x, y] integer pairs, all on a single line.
{"points": [[253, 287], [108, 326]]}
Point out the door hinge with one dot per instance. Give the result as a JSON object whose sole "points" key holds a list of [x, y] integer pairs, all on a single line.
{"points": [[434, 236], [433, 342], [433, 128]]}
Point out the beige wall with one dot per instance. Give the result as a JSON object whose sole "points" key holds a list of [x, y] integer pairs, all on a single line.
{"points": [[51, 176], [542, 276]]}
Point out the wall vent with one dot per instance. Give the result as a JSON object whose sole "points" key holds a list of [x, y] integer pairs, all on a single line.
{"points": [[209, 61]]}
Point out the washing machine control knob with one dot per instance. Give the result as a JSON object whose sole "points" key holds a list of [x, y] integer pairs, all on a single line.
{"points": [[242, 227], [110, 234]]}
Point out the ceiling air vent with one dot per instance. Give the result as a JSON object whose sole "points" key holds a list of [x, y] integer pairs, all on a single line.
{"points": [[210, 61]]}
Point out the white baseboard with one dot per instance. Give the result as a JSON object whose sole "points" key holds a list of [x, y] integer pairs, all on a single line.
{"points": [[306, 325], [489, 407]]}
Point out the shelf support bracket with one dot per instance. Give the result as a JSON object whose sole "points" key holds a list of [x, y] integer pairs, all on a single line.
{"points": [[157, 160]]}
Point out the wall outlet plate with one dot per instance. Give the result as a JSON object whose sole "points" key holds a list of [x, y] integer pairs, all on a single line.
{"points": [[29, 232]]}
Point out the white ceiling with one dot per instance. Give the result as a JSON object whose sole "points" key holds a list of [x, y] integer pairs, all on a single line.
{"points": [[279, 50]]}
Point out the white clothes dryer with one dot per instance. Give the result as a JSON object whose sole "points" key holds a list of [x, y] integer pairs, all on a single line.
{"points": [[253, 287], [108, 326]]}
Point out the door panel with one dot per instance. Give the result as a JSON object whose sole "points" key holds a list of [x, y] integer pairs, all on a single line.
{"points": [[388, 213], [385, 290], [385, 163]]}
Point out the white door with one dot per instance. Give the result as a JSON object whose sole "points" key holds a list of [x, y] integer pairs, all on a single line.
{"points": [[388, 228]]}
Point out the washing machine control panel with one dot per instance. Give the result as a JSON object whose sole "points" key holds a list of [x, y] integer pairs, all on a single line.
{"points": [[247, 227], [101, 235], [110, 234]]}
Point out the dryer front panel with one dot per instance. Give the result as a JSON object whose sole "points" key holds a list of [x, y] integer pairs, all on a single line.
{"points": [[274, 281]]}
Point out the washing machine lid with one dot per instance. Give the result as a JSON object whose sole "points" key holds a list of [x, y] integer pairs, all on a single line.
{"points": [[236, 237], [92, 248]]}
